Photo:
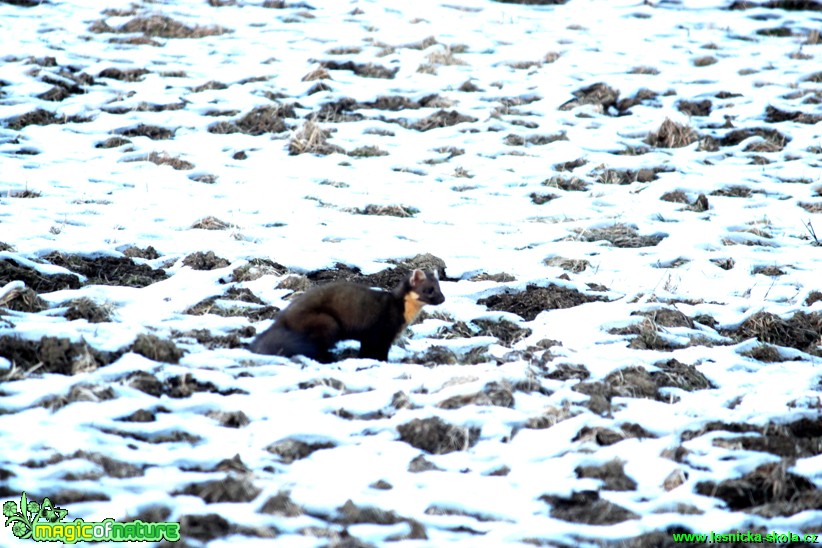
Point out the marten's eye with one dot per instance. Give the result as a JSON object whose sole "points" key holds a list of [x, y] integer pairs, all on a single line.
{"points": [[428, 290]]}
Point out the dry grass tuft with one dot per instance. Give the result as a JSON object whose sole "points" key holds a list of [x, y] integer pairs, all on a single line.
{"points": [[672, 135], [312, 139]]}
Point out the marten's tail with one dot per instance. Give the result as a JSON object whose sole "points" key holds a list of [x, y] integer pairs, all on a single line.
{"points": [[281, 341]]}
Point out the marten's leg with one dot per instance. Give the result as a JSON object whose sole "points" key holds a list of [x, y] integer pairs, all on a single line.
{"points": [[375, 350], [279, 340], [323, 331]]}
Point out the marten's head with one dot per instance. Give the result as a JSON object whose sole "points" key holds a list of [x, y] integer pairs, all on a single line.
{"points": [[420, 288]]}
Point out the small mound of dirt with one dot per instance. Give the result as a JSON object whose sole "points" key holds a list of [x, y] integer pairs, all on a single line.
{"points": [[775, 115], [205, 261], [795, 440], [112, 142], [588, 508], [40, 117], [210, 223], [628, 176], [440, 119], [149, 253], [679, 375], [366, 70], [672, 135], [312, 139], [435, 436], [772, 140], [770, 490], [267, 119], [291, 449], [801, 331], [86, 309], [78, 392], [601, 95], [282, 505], [54, 355], [643, 95], [695, 108], [160, 26], [228, 489], [621, 235], [388, 210], [157, 349], [155, 133], [527, 304], [508, 333], [492, 393], [611, 473], [206, 527], [108, 270], [128, 75], [22, 300]]}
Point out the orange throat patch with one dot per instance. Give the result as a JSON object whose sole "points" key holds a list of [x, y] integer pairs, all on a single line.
{"points": [[413, 305]]}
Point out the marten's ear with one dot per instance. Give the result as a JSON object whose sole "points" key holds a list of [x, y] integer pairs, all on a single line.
{"points": [[417, 277]]}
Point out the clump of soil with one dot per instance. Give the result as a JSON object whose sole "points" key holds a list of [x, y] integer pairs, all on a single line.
{"points": [[637, 382], [440, 119], [259, 121], [291, 449], [22, 300], [366, 70], [160, 26], [605, 437], [78, 392], [492, 393], [695, 108], [588, 508], [621, 235], [775, 115], [611, 473], [569, 184], [435, 436], [86, 309], [312, 139], [232, 340], [210, 223], [388, 210], [601, 95], [798, 439], [165, 159], [771, 139], [628, 176], [157, 349], [204, 261], [148, 253], [53, 355], [128, 75], [112, 142], [672, 135], [155, 133], [108, 270], [527, 304], [40, 117], [508, 333], [770, 490], [282, 505], [228, 489], [801, 331]]}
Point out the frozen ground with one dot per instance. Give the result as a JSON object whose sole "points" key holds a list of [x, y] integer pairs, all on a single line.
{"points": [[623, 194]]}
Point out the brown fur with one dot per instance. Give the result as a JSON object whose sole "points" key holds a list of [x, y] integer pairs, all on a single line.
{"points": [[324, 315]]}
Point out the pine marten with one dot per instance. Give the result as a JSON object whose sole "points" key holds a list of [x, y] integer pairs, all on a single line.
{"points": [[324, 315]]}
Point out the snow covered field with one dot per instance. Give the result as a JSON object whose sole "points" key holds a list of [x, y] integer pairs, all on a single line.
{"points": [[621, 198]]}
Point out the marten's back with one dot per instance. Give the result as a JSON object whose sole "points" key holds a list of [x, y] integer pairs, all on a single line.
{"points": [[354, 306]]}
